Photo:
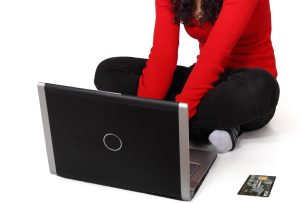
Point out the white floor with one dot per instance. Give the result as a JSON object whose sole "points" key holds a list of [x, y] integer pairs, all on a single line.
{"points": [[63, 41]]}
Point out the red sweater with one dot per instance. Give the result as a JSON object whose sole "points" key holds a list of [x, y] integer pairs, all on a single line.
{"points": [[241, 37]]}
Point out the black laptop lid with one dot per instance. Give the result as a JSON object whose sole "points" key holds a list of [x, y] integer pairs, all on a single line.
{"points": [[116, 140]]}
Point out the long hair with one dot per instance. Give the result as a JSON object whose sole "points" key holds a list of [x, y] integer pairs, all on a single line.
{"points": [[184, 11]]}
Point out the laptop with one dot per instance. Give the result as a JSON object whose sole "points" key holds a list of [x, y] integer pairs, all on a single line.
{"points": [[122, 141]]}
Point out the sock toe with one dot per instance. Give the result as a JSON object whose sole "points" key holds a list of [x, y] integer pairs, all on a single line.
{"points": [[221, 140]]}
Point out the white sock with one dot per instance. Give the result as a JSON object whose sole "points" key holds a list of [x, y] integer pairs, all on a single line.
{"points": [[221, 140]]}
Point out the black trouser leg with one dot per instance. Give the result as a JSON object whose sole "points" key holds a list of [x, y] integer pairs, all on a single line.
{"points": [[242, 96], [119, 74]]}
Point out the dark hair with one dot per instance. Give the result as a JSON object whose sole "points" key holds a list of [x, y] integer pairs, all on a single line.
{"points": [[184, 11]]}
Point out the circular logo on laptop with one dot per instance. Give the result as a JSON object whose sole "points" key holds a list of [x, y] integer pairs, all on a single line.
{"points": [[112, 142]]}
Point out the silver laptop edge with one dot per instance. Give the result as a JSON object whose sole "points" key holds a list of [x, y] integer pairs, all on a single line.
{"points": [[46, 126], [184, 151]]}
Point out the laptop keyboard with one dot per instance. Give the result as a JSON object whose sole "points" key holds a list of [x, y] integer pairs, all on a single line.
{"points": [[193, 168]]}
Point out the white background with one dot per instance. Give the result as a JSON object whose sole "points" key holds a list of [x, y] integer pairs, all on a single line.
{"points": [[62, 42]]}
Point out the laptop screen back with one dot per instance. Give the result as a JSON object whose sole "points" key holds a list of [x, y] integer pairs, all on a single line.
{"points": [[116, 140]]}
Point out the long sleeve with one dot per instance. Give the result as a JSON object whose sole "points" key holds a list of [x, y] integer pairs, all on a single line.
{"points": [[228, 28], [156, 77]]}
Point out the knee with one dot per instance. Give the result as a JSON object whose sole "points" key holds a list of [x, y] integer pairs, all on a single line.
{"points": [[263, 86], [103, 71]]}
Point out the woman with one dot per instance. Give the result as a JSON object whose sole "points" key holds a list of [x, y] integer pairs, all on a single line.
{"points": [[231, 88]]}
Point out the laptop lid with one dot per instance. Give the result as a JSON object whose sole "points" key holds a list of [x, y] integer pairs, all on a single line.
{"points": [[117, 140]]}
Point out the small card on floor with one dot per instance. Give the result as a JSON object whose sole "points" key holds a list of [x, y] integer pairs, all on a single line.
{"points": [[258, 185]]}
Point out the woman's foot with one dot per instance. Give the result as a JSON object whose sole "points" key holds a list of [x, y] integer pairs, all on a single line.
{"points": [[224, 140]]}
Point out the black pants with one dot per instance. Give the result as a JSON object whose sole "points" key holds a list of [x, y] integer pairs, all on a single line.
{"points": [[242, 96]]}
